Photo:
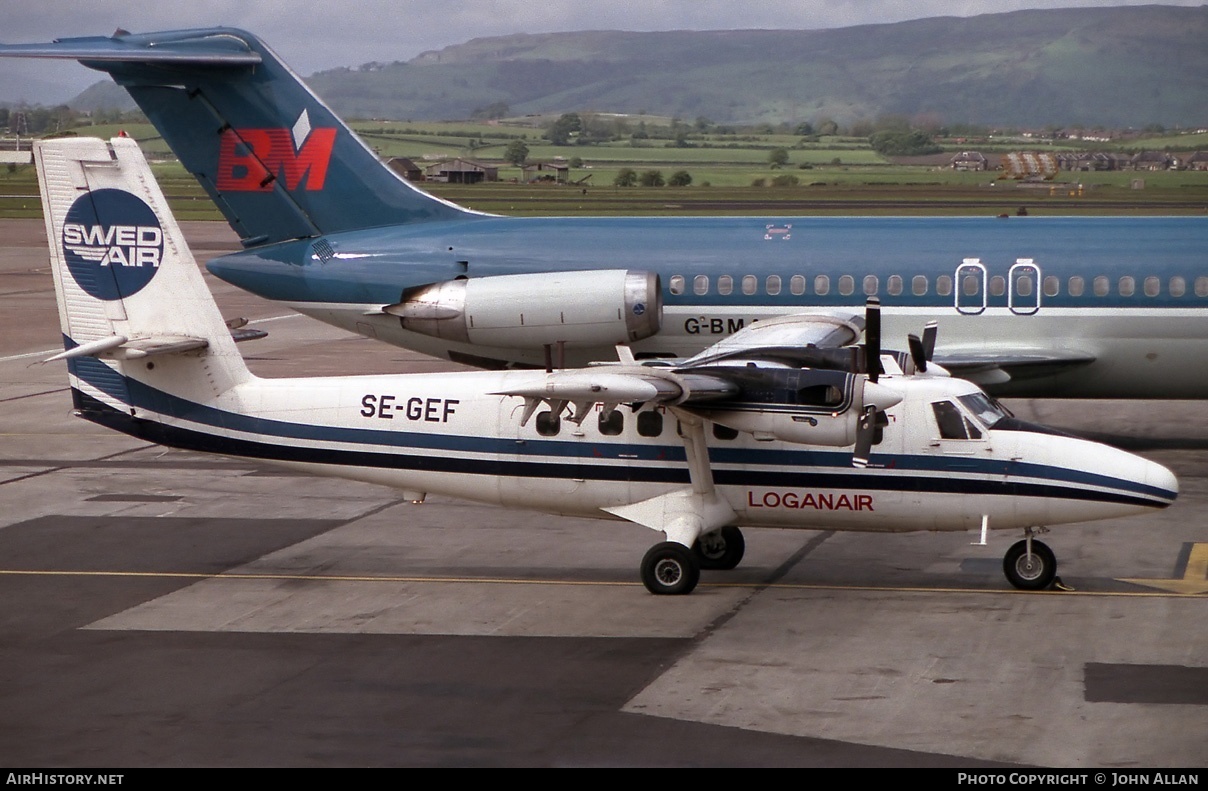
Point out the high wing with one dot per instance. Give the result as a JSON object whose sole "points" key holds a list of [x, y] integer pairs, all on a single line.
{"points": [[796, 341], [996, 366]]}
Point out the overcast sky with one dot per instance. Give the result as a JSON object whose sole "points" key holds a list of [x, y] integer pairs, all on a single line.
{"points": [[312, 35]]}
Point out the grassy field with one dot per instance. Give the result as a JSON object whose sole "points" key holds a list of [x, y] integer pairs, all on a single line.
{"points": [[834, 175]]}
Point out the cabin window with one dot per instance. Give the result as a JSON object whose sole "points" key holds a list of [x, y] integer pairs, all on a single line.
{"points": [[972, 285], [952, 423], [797, 285], [1128, 285], [772, 284], [1201, 286], [1178, 286], [1153, 286], [871, 285], [1023, 285], [725, 285], [1102, 286], [998, 286], [676, 284], [724, 432], [613, 424], [822, 285], [700, 285], [943, 285], [918, 285], [1052, 286], [847, 284], [1077, 286], [894, 285], [650, 424], [750, 284], [548, 424]]}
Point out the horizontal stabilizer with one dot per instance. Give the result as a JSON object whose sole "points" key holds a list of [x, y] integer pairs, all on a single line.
{"points": [[118, 347], [192, 47]]}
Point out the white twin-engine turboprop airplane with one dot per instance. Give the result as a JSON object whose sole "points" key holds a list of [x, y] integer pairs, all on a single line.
{"points": [[784, 424]]}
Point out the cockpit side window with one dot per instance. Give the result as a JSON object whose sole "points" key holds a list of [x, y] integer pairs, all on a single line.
{"points": [[952, 423]]}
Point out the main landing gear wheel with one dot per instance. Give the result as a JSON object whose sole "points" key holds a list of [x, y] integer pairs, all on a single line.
{"points": [[1035, 573], [720, 550], [670, 569]]}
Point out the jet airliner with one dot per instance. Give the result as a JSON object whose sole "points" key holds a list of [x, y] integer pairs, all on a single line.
{"points": [[1103, 307], [786, 423]]}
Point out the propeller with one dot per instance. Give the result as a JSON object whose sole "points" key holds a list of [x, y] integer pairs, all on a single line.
{"points": [[923, 349], [865, 430], [872, 338]]}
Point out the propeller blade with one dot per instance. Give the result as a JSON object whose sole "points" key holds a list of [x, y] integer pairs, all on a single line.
{"points": [[872, 337], [864, 436], [918, 353], [929, 334]]}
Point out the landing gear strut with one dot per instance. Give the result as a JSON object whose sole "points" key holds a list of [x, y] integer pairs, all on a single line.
{"points": [[1030, 565]]}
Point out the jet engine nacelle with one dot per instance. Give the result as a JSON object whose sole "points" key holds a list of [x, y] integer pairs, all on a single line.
{"points": [[593, 308]]}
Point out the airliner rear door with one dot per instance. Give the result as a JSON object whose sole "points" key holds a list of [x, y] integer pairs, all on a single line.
{"points": [[971, 287], [1024, 295]]}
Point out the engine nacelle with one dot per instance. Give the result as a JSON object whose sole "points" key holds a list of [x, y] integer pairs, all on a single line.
{"points": [[591, 308]]}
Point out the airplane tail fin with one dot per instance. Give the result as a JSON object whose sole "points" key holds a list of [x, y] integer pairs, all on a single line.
{"points": [[275, 159], [140, 327]]}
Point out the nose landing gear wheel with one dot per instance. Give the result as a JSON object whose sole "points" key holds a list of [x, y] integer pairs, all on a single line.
{"points": [[670, 569], [720, 550], [1033, 573]]}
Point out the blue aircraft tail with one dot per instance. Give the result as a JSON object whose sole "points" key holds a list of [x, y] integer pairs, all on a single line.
{"points": [[274, 158]]}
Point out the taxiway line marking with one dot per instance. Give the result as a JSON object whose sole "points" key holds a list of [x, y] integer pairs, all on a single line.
{"points": [[599, 583]]}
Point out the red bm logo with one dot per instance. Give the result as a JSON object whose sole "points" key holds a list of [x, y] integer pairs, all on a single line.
{"points": [[250, 160]]}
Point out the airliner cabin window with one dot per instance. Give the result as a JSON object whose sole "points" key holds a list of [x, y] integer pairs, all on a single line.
{"points": [[1201, 286], [1153, 286], [1178, 286], [1052, 286], [952, 423], [700, 285], [772, 284], [894, 285], [870, 285], [918, 285], [1102, 286], [749, 284], [1127, 286], [972, 284], [1077, 286], [676, 285], [822, 285], [725, 285], [548, 424], [998, 286], [612, 425], [1023, 286], [847, 284], [650, 423], [797, 285], [943, 285]]}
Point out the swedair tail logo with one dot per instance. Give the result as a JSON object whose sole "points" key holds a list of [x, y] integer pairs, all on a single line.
{"points": [[113, 243], [251, 160]]}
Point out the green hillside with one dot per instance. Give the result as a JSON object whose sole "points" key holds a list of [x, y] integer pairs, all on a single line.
{"points": [[1113, 67]]}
